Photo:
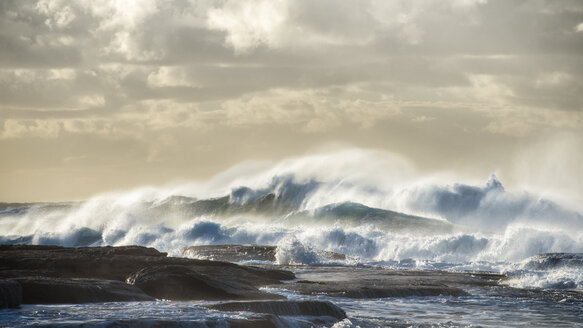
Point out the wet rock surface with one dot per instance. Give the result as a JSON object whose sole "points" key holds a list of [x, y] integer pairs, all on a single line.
{"points": [[183, 283], [53, 274], [363, 282], [354, 282], [44, 290], [50, 274], [370, 282], [117, 263], [10, 294], [303, 308], [260, 321]]}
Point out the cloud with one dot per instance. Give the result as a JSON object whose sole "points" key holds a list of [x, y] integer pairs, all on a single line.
{"points": [[423, 118], [307, 108], [170, 76], [201, 51], [49, 89], [151, 70], [29, 128], [288, 24], [317, 110], [249, 24]]}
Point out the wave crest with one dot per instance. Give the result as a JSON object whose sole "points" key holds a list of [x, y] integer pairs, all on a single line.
{"points": [[355, 204]]}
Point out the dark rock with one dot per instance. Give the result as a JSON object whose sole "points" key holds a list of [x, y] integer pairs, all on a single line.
{"points": [[74, 275], [264, 321], [251, 275], [117, 263], [112, 263], [178, 282], [10, 274], [363, 282], [395, 291], [43, 290], [10, 294], [303, 308], [93, 251]]}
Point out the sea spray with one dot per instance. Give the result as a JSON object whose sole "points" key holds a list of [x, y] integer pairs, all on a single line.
{"points": [[292, 252], [321, 203], [548, 271]]}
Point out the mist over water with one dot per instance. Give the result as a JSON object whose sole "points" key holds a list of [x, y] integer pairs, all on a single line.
{"points": [[370, 205]]}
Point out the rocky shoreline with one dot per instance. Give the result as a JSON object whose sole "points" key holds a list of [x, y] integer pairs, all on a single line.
{"points": [[59, 275], [53, 274]]}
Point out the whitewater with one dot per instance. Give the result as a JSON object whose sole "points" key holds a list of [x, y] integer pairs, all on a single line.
{"points": [[368, 205]]}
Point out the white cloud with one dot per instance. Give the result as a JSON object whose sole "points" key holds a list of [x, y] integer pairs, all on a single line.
{"points": [[530, 122], [14, 129], [552, 79], [94, 100], [249, 24], [293, 24], [317, 110], [483, 88], [422, 118], [166, 114], [172, 53], [59, 14], [170, 76], [579, 27], [62, 74]]}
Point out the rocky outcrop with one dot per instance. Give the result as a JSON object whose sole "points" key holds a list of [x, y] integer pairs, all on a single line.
{"points": [[53, 274], [254, 276], [43, 290], [117, 263], [259, 321], [303, 308], [362, 282], [182, 283], [112, 263], [389, 291], [10, 294]]}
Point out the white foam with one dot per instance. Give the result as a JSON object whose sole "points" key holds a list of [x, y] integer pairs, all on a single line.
{"points": [[493, 225], [564, 278]]}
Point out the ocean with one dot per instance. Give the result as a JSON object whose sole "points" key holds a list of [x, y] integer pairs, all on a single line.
{"points": [[377, 213]]}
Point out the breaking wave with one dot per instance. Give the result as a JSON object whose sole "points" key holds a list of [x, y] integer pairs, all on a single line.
{"points": [[369, 206], [549, 271]]}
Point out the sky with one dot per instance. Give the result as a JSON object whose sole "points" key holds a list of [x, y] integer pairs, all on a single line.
{"points": [[110, 95]]}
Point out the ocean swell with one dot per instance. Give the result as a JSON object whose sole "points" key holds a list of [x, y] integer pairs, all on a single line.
{"points": [[389, 221]]}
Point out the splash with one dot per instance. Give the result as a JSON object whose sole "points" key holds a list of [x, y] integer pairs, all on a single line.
{"points": [[549, 271], [367, 205]]}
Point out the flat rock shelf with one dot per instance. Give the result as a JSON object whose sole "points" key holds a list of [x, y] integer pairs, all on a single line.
{"points": [[221, 293]]}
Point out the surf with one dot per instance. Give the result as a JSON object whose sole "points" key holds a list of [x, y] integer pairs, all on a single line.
{"points": [[371, 207]]}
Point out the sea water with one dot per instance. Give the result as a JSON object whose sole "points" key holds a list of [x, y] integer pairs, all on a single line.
{"points": [[467, 311], [374, 210]]}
